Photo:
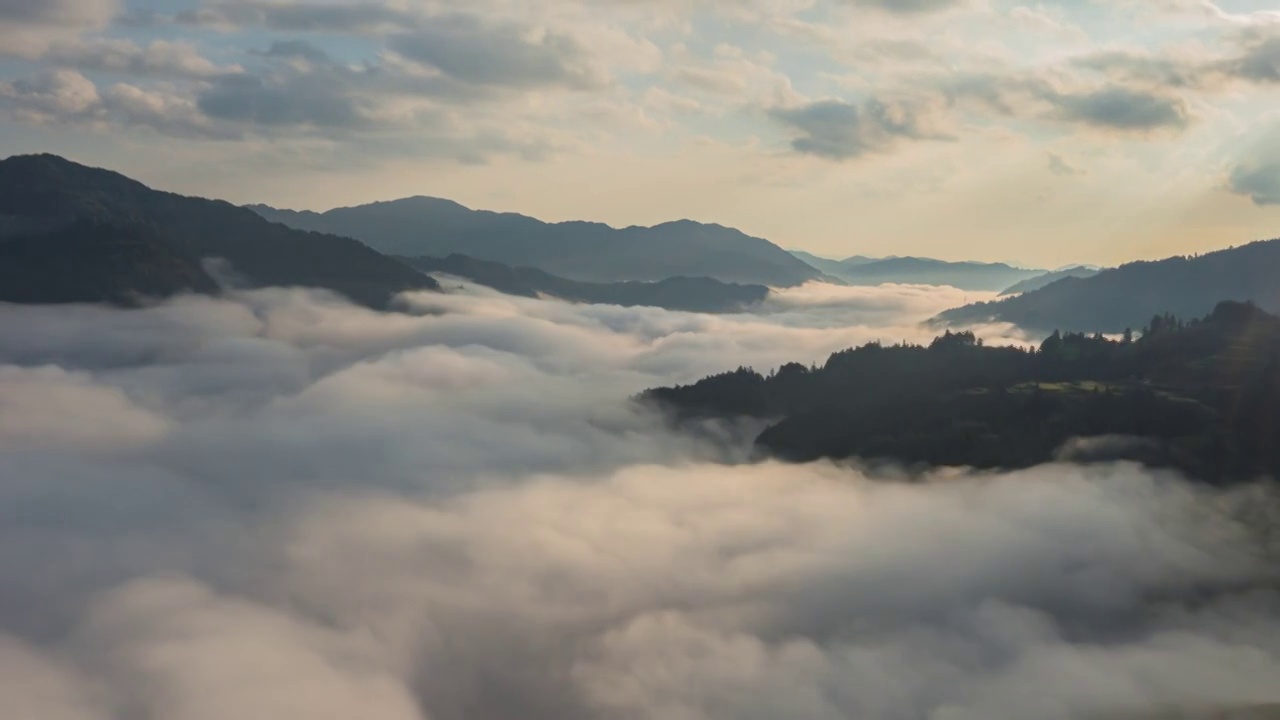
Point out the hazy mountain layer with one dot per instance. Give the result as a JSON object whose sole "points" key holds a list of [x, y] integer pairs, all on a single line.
{"points": [[1039, 281], [863, 270], [679, 293], [927, 271]]}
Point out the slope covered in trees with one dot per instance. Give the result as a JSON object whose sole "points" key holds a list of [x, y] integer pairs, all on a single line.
{"points": [[91, 262], [679, 293], [48, 196], [1202, 396], [592, 252], [1127, 296]]}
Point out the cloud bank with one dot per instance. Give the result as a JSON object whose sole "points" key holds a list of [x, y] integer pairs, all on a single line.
{"points": [[280, 505]]}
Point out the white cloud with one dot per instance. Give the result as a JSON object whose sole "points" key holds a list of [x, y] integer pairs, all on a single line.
{"points": [[28, 27], [53, 93], [158, 58]]}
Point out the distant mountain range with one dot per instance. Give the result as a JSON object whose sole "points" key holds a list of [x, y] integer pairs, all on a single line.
{"points": [[678, 293], [1130, 295], [1039, 281], [585, 251], [71, 233], [862, 270]]}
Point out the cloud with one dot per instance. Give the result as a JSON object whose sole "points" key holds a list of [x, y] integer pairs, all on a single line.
{"points": [[471, 50], [1167, 70], [467, 48], [1259, 63], [33, 412], [1107, 108], [1250, 56], [159, 58], [294, 99], [276, 504], [1259, 180], [838, 130], [297, 49], [357, 17], [1121, 108], [66, 97], [28, 27], [52, 93], [371, 112], [907, 7], [1059, 166]]}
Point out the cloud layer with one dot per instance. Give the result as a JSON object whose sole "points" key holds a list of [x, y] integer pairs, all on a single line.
{"points": [[280, 505]]}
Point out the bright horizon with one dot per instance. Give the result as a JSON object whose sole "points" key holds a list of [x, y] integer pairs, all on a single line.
{"points": [[1037, 134]]}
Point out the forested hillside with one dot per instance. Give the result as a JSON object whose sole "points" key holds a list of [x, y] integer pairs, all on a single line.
{"points": [[1203, 396]]}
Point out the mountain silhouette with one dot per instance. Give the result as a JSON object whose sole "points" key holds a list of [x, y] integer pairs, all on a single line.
{"points": [[1128, 296], [586, 251], [679, 293], [832, 266], [147, 234], [1039, 281]]}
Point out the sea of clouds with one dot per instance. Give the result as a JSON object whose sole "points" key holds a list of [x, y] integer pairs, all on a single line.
{"points": [[276, 504]]}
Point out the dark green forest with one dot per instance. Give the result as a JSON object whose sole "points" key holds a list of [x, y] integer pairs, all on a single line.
{"points": [[1200, 395]]}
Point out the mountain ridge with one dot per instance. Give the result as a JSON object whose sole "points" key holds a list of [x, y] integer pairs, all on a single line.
{"points": [[577, 250], [1129, 295], [49, 190], [1039, 281]]}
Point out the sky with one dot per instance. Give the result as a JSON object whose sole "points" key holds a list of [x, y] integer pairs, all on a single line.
{"points": [[1039, 133], [275, 504]]}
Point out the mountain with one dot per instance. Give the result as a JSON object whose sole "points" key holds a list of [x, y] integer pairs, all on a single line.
{"points": [[147, 233], [863, 270], [88, 261], [1039, 281], [927, 271], [679, 293], [1128, 296], [592, 252], [1202, 396]]}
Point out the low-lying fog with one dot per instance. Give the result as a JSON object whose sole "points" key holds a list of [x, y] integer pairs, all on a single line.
{"points": [[278, 505]]}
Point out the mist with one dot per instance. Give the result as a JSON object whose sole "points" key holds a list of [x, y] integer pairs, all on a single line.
{"points": [[278, 504]]}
